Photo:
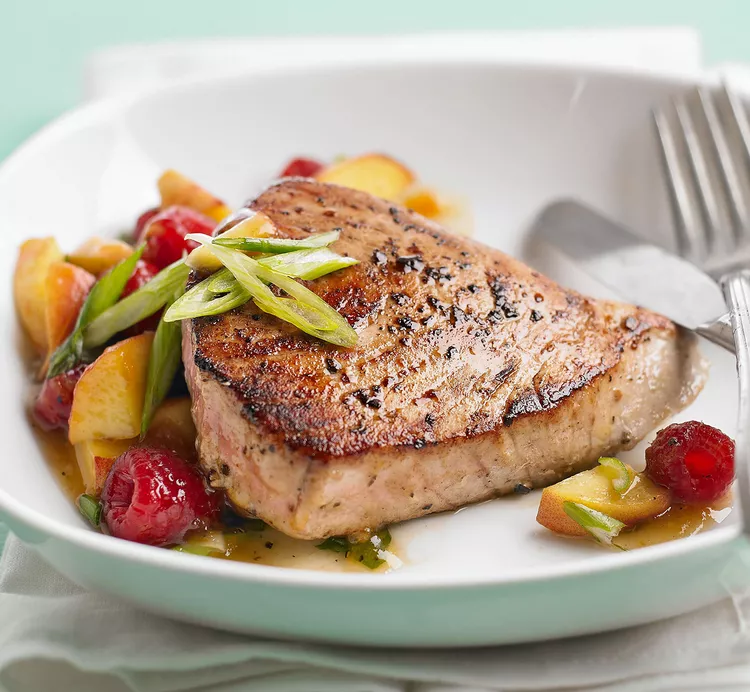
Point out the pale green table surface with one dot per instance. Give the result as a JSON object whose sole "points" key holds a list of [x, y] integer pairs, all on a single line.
{"points": [[43, 43]]}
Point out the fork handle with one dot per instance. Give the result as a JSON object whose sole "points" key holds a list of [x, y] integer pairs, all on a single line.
{"points": [[736, 288]]}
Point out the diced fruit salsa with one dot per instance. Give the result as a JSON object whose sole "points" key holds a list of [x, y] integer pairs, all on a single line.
{"points": [[104, 326], [684, 488], [113, 411]]}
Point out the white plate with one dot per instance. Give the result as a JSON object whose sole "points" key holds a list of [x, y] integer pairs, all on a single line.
{"points": [[508, 137]]}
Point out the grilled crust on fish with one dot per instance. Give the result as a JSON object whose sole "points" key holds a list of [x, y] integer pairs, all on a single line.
{"points": [[473, 373]]}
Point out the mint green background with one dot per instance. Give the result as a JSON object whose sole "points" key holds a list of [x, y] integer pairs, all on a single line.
{"points": [[43, 43]]}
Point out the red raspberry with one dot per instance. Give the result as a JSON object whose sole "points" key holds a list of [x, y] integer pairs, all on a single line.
{"points": [[52, 406], [302, 167], [153, 496], [142, 222], [165, 234], [693, 460], [142, 274]]}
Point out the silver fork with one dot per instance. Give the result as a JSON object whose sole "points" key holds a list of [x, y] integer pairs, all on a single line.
{"points": [[704, 139]]}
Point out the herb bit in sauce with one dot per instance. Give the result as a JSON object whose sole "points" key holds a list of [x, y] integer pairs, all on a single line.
{"points": [[371, 553]]}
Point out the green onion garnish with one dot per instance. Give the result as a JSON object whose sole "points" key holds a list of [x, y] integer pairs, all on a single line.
{"points": [[163, 362], [197, 549], [336, 544], [102, 296], [278, 245], [601, 526], [202, 300], [310, 313], [366, 553], [140, 304], [221, 282], [307, 264], [208, 543], [91, 509], [622, 476]]}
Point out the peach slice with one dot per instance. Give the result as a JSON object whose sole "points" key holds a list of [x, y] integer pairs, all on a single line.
{"points": [[172, 427], [97, 255], [377, 174], [95, 459], [108, 399], [594, 489], [424, 202], [30, 286], [255, 226], [67, 288], [176, 189]]}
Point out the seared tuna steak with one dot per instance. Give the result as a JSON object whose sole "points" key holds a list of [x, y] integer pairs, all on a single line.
{"points": [[473, 374]]}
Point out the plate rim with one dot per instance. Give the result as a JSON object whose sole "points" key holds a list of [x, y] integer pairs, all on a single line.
{"points": [[83, 537]]}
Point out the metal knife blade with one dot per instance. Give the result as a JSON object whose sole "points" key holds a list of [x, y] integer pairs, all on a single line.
{"points": [[644, 274]]}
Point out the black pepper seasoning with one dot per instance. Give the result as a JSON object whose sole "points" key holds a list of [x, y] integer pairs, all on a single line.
{"points": [[333, 365]]}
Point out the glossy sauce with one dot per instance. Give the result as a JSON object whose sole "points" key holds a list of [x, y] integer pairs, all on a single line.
{"points": [[266, 547], [271, 547], [678, 521], [61, 459]]}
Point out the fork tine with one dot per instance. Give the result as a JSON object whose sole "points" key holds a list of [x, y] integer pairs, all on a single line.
{"points": [[718, 219], [739, 119], [687, 216], [727, 169]]}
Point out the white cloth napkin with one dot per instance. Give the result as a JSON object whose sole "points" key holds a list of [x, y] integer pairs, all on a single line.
{"points": [[52, 630], [56, 636]]}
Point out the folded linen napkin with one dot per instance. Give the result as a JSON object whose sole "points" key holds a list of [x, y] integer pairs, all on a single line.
{"points": [[56, 636]]}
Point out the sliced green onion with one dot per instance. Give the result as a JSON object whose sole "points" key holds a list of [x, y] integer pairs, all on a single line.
{"points": [[252, 275], [209, 539], [336, 544], [201, 300], [622, 475], [367, 553], [102, 296], [310, 316], [91, 509], [143, 303], [221, 282], [207, 543], [343, 333], [203, 550], [601, 526], [278, 245], [163, 362], [307, 264]]}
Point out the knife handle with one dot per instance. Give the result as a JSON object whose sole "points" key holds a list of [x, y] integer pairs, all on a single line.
{"points": [[736, 287]]}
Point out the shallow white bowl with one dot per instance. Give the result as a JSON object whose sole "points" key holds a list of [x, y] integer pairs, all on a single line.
{"points": [[510, 138]]}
